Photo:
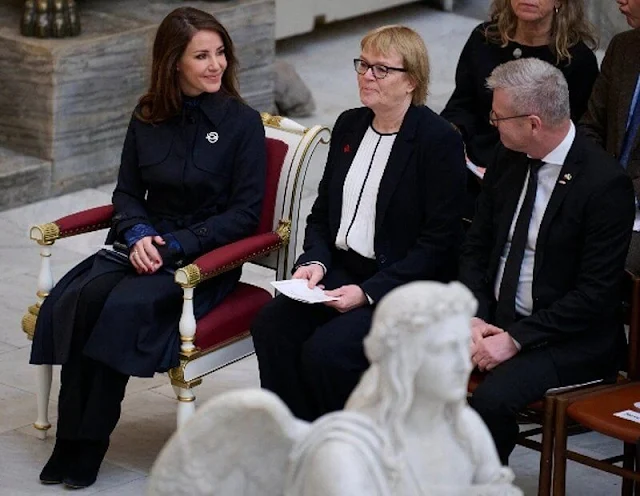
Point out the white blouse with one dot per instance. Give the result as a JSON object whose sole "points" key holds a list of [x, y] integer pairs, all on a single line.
{"points": [[360, 193]]}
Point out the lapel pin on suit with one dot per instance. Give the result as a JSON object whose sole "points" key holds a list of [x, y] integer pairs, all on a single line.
{"points": [[346, 148], [212, 137], [565, 179]]}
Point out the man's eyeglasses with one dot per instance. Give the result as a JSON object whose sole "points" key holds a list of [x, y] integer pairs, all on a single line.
{"points": [[379, 71], [494, 119]]}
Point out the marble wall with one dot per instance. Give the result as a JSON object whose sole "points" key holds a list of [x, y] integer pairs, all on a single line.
{"points": [[67, 102]]}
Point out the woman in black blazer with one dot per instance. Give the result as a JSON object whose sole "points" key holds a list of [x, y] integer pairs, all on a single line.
{"points": [[191, 179], [388, 212]]}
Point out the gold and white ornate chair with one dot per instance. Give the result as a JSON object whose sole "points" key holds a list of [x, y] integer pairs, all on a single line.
{"points": [[222, 336]]}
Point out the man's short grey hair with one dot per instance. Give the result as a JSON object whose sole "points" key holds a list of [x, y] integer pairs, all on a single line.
{"points": [[535, 87]]}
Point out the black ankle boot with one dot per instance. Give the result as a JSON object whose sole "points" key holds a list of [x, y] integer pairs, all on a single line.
{"points": [[85, 464], [55, 469]]}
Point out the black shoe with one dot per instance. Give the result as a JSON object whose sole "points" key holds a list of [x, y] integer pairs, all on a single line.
{"points": [[83, 469], [54, 471]]}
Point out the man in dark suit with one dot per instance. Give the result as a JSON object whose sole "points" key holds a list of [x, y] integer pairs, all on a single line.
{"points": [[613, 114], [545, 252]]}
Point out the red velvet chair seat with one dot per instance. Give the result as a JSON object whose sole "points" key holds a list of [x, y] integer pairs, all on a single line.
{"points": [[232, 317]]}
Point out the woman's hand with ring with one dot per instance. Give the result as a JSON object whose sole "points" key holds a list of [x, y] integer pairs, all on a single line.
{"points": [[145, 257]]}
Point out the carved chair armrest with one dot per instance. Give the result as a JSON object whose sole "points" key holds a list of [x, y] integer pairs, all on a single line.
{"points": [[229, 257], [92, 219]]}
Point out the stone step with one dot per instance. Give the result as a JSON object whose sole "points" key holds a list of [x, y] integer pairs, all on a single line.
{"points": [[23, 178]]}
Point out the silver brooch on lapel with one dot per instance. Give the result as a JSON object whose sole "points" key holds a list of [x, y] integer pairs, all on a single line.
{"points": [[212, 137]]}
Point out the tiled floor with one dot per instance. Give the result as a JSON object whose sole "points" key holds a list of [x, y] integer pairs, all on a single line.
{"points": [[324, 60]]}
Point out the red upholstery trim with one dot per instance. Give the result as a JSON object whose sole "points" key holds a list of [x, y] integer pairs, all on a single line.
{"points": [[232, 317], [235, 254], [474, 380], [276, 153], [89, 220]]}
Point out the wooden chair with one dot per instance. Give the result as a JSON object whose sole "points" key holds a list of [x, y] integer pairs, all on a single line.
{"points": [[222, 336], [594, 410]]}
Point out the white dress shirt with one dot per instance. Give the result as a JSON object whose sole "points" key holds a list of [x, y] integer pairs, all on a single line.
{"points": [[547, 179], [360, 193]]}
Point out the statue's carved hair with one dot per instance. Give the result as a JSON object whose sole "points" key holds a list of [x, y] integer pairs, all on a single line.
{"points": [[395, 345]]}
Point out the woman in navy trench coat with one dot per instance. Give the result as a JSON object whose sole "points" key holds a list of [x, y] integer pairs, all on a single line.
{"points": [[191, 179]]}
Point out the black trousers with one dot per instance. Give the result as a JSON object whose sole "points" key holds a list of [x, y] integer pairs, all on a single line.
{"points": [[516, 383], [90, 392], [312, 356]]}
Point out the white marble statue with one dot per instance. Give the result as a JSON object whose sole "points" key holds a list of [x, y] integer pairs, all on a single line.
{"points": [[406, 430]]}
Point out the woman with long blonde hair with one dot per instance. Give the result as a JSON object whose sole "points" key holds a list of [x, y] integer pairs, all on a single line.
{"points": [[555, 31]]}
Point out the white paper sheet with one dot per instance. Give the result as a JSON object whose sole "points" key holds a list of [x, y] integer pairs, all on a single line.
{"points": [[629, 415], [297, 289]]}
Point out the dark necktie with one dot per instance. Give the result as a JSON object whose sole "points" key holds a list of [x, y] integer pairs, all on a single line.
{"points": [[506, 308], [630, 135]]}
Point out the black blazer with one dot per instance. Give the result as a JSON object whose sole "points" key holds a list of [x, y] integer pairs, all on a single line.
{"points": [[418, 211], [580, 252]]}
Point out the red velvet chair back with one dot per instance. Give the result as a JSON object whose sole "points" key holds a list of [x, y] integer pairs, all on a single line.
{"points": [[276, 153]]}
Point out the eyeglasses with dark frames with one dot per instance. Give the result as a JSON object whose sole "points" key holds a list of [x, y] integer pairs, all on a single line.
{"points": [[379, 71], [494, 119]]}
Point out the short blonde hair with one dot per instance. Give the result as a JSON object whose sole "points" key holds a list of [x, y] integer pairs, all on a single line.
{"points": [[410, 46]]}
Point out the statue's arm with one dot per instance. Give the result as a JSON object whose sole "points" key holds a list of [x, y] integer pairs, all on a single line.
{"points": [[488, 468], [335, 468]]}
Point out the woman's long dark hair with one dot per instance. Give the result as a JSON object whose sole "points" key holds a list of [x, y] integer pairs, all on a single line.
{"points": [[164, 98]]}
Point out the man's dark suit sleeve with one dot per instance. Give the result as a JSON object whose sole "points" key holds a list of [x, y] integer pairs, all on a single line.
{"points": [[608, 217], [479, 240], [437, 243], [594, 121]]}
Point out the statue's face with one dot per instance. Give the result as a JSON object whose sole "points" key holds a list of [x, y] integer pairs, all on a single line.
{"points": [[446, 362]]}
